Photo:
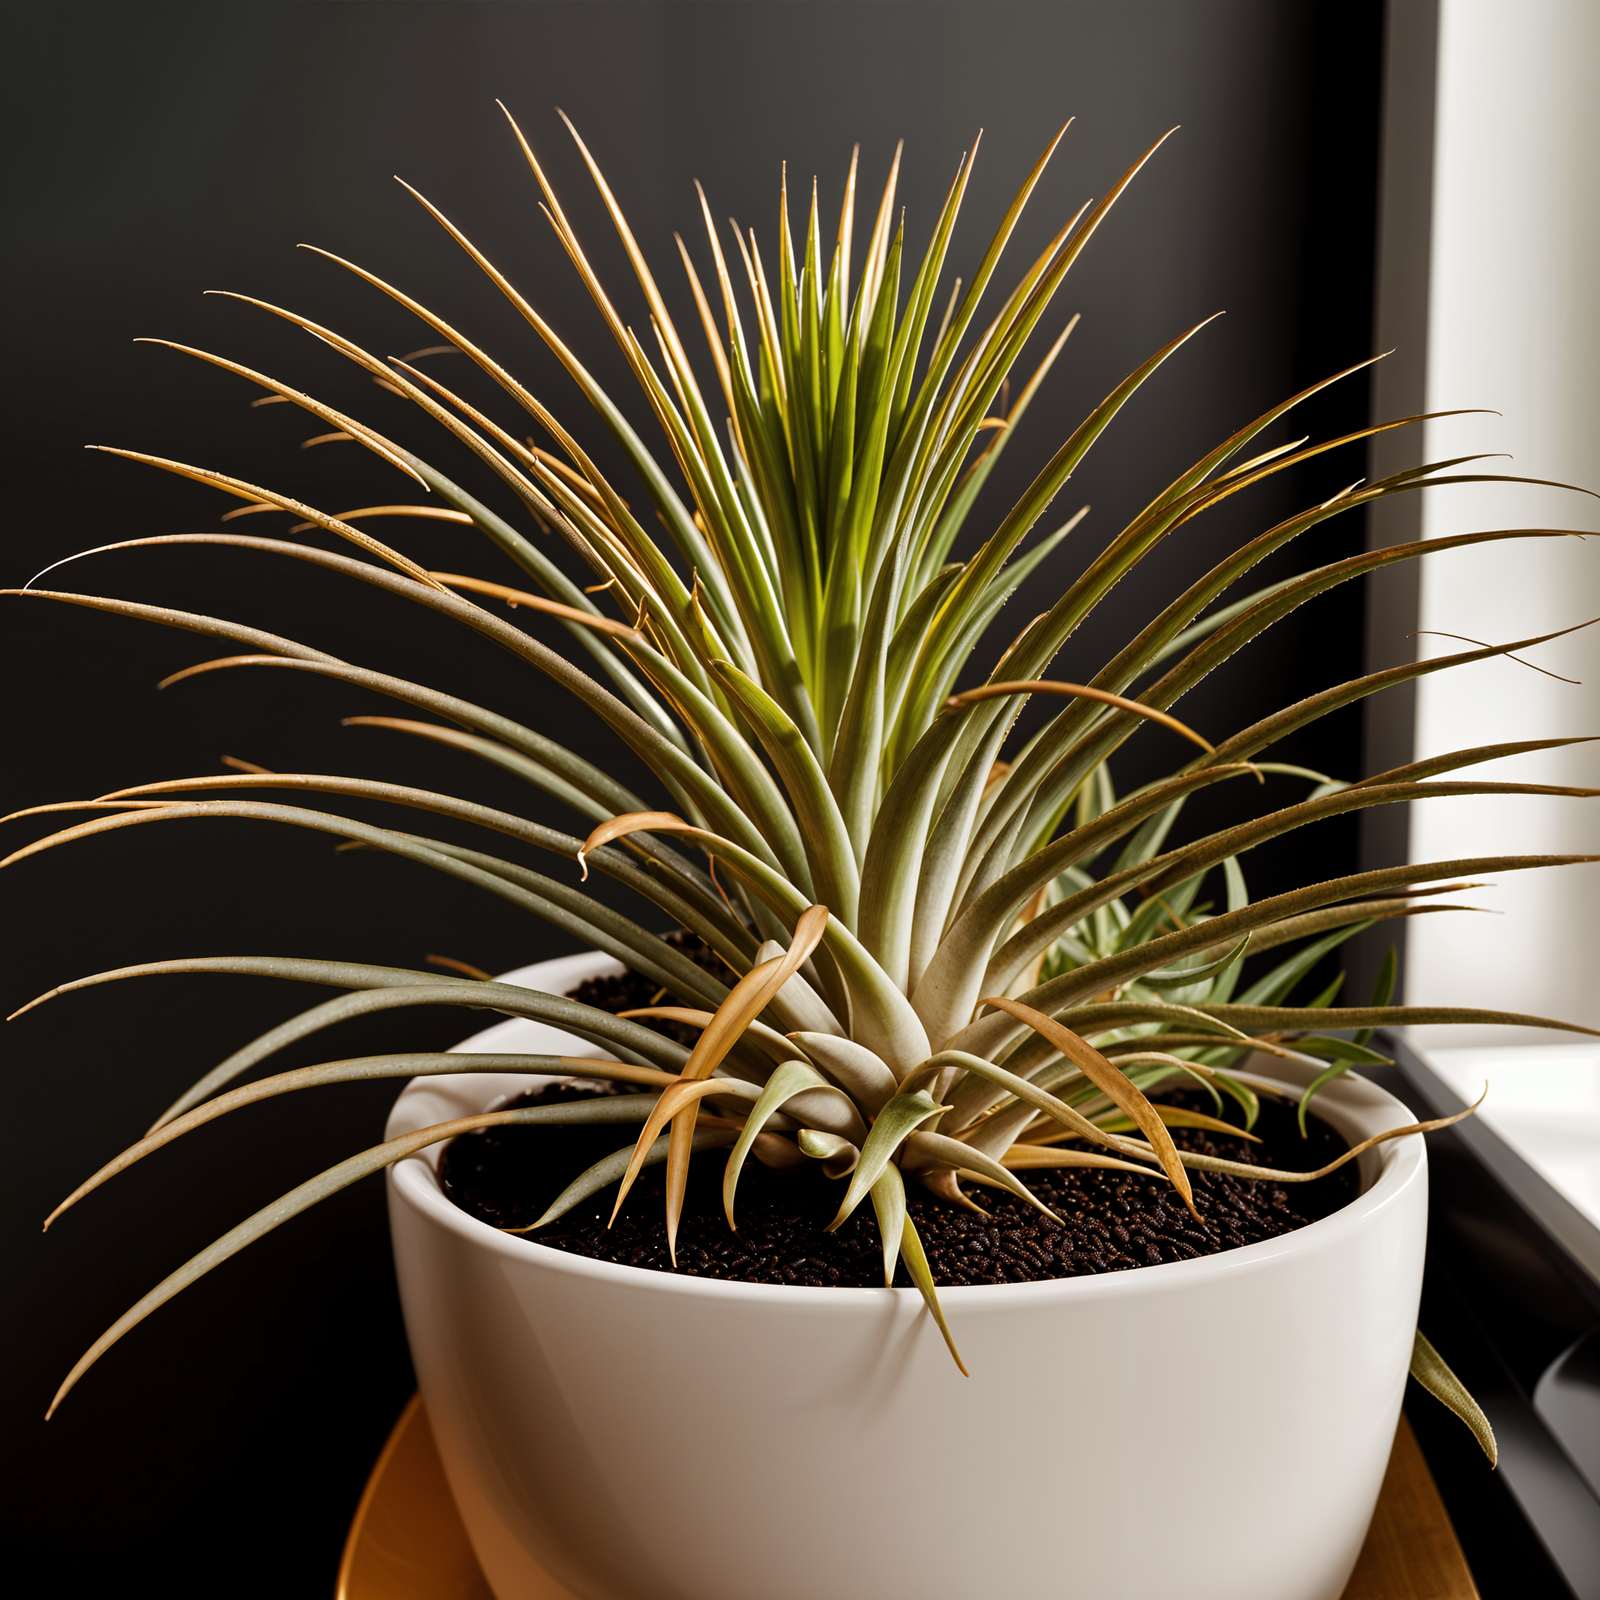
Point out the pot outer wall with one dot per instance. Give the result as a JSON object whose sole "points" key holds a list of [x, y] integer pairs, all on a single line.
{"points": [[1216, 1428]]}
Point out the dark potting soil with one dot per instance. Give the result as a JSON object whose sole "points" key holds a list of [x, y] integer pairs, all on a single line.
{"points": [[1113, 1220], [627, 991]]}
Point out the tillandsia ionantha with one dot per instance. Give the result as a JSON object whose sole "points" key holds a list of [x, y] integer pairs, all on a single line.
{"points": [[945, 964]]}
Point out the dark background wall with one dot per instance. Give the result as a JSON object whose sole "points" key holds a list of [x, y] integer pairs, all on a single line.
{"points": [[157, 150]]}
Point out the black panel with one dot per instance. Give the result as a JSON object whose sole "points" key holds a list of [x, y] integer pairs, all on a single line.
{"points": [[1513, 1285]]}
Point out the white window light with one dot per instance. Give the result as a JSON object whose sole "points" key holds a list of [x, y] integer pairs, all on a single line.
{"points": [[1501, 289]]}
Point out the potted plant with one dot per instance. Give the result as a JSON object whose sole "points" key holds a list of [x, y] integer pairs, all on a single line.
{"points": [[941, 962]]}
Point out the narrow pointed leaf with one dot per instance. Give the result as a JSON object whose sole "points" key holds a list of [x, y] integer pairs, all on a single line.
{"points": [[609, 1169], [916, 1260], [1111, 1081], [889, 1204], [1429, 1369], [280, 1211], [787, 1080], [898, 1118]]}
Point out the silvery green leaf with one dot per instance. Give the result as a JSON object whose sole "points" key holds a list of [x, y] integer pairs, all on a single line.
{"points": [[898, 1118], [855, 1068], [839, 1156], [300, 1199], [889, 1204], [916, 1260], [1429, 1369], [927, 1149], [787, 1080], [609, 1169]]}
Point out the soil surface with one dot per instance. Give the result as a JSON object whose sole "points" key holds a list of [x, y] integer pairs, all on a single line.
{"points": [[627, 991], [1113, 1221]]}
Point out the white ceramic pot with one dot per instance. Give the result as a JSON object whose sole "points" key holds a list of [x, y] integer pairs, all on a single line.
{"points": [[1215, 1428]]}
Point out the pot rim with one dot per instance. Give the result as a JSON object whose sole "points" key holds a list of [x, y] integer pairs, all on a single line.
{"points": [[1350, 1099]]}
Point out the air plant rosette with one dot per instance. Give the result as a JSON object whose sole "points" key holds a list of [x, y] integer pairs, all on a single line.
{"points": [[952, 954]]}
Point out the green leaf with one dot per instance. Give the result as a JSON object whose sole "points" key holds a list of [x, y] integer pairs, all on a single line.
{"points": [[960, 502], [556, 903], [908, 339], [862, 1074], [985, 1035], [965, 1112], [787, 1080], [1322, 1079], [924, 1149], [1383, 986], [889, 1203], [607, 1108], [1244, 1094], [610, 1169], [829, 852], [738, 767], [837, 1154], [1429, 1369], [1179, 977], [1166, 872], [883, 1019], [982, 568], [1271, 989], [640, 1046], [898, 1118], [1353, 1055], [1062, 754], [890, 868], [916, 1260], [281, 1210], [966, 962], [771, 651]]}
